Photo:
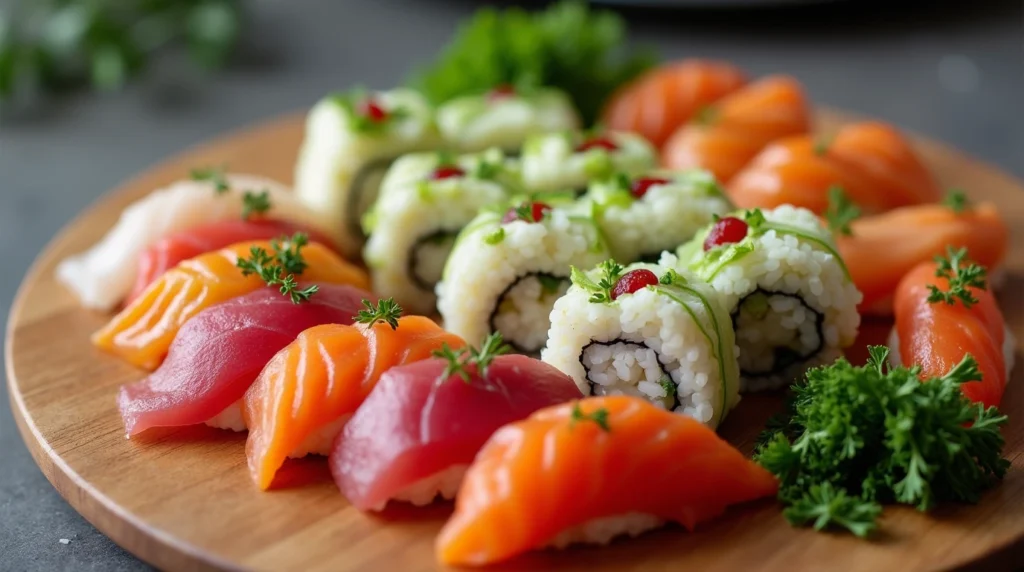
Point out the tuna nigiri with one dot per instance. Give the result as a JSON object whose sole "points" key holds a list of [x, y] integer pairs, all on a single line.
{"points": [[142, 333], [219, 353], [421, 426], [944, 311], [172, 249], [589, 471], [881, 249], [307, 392], [729, 133], [873, 163], [658, 102], [103, 275]]}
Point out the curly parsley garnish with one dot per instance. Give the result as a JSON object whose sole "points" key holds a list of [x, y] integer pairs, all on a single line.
{"points": [[458, 360], [960, 278], [598, 416], [280, 268], [601, 291], [841, 211], [956, 200], [255, 203], [214, 175], [856, 437], [387, 311]]}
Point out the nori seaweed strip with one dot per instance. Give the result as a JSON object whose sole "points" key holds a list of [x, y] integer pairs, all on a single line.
{"points": [[410, 264], [675, 395], [784, 357], [355, 193], [497, 304]]}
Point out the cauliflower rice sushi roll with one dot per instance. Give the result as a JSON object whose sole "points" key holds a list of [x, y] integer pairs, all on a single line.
{"points": [[647, 331], [351, 140], [780, 277], [504, 118], [426, 199], [570, 160], [660, 210], [508, 267]]}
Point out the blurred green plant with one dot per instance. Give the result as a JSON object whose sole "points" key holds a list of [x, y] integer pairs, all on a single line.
{"points": [[58, 45]]}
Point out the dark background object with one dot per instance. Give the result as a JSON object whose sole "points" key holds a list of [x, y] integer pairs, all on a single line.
{"points": [[950, 70]]}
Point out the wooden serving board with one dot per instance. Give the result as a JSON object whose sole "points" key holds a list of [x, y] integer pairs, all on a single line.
{"points": [[182, 499]]}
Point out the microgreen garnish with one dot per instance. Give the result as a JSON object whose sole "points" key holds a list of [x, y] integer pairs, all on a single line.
{"points": [[956, 200], [598, 416], [671, 277], [445, 159], [754, 218], [841, 211], [524, 212], [961, 279], [493, 346], [669, 386], [821, 146], [601, 291], [281, 268], [385, 312], [487, 170], [255, 203], [214, 175], [495, 237]]}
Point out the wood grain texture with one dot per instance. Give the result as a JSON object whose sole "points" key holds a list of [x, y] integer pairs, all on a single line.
{"points": [[182, 499]]}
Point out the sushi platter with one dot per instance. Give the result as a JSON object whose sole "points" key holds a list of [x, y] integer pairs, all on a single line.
{"points": [[544, 315]]}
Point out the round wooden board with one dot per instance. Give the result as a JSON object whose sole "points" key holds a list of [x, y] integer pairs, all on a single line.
{"points": [[182, 499]]}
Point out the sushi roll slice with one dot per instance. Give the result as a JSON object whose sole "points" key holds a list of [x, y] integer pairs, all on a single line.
{"points": [[351, 140], [425, 201], [570, 160], [508, 267], [504, 118], [649, 332], [659, 210], [781, 278]]}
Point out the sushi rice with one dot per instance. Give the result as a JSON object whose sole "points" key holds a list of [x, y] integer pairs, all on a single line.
{"points": [[444, 484], [671, 344], [792, 302], [550, 162], [477, 122]]}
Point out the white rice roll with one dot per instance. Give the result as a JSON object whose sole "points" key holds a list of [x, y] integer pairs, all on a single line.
{"points": [[504, 119], [103, 275], [346, 152], [792, 302], [644, 215], [506, 276], [670, 343], [559, 161], [415, 221]]}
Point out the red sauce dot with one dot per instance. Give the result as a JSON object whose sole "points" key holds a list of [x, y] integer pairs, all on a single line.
{"points": [[446, 172], [633, 281], [597, 143], [640, 187], [372, 109], [727, 230], [536, 213], [501, 92]]}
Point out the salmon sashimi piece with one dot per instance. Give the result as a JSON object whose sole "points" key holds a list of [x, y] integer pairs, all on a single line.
{"points": [[872, 162], [307, 392], [937, 335], [219, 353], [172, 249], [617, 463], [733, 130], [142, 333], [661, 100], [885, 247]]}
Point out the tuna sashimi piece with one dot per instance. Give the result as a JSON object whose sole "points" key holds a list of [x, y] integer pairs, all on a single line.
{"points": [[175, 248], [590, 470], [219, 353], [418, 430]]}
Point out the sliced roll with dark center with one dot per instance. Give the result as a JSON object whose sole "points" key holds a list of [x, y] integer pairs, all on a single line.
{"points": [[522, 305]]}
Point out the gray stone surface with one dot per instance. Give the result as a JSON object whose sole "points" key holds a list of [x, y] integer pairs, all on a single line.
{"points": [[951, 70]]}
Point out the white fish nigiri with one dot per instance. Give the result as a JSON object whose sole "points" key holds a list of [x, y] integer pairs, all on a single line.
{"points": [[103, 275]]}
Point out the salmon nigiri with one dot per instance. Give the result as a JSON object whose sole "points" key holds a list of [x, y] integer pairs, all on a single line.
{"points": [[658, 102], [308, 391], [588, 471], [873, 163], [881, 249], [142, 333], [729, 133], [944, 312]]}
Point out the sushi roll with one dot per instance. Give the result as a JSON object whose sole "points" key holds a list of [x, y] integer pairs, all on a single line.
{"points": [[660, 210], [351, 140], [426, 199], [508, 267], [504, 118], [649, 332], [781, 278], [570, 160]]}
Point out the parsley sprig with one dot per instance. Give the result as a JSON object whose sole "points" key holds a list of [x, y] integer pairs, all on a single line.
{"points": [[214, 175], [956, 200], [254, 203], [856, 437], [460, 360], [387, 311], [960, 276], [600, 291], [598, 416], [841, 211], [281, 268]]}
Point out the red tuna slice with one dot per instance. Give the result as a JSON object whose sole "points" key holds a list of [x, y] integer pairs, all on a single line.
{"points": [[174, 248], [416, 431], [219, 353]]}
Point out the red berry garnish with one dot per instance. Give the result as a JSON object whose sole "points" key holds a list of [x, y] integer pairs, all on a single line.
{"points": [[446, 172], [597, 143], [727, 230], [640, 186], [373, 110], [501, 92], [530, 212], [633, 281]]}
